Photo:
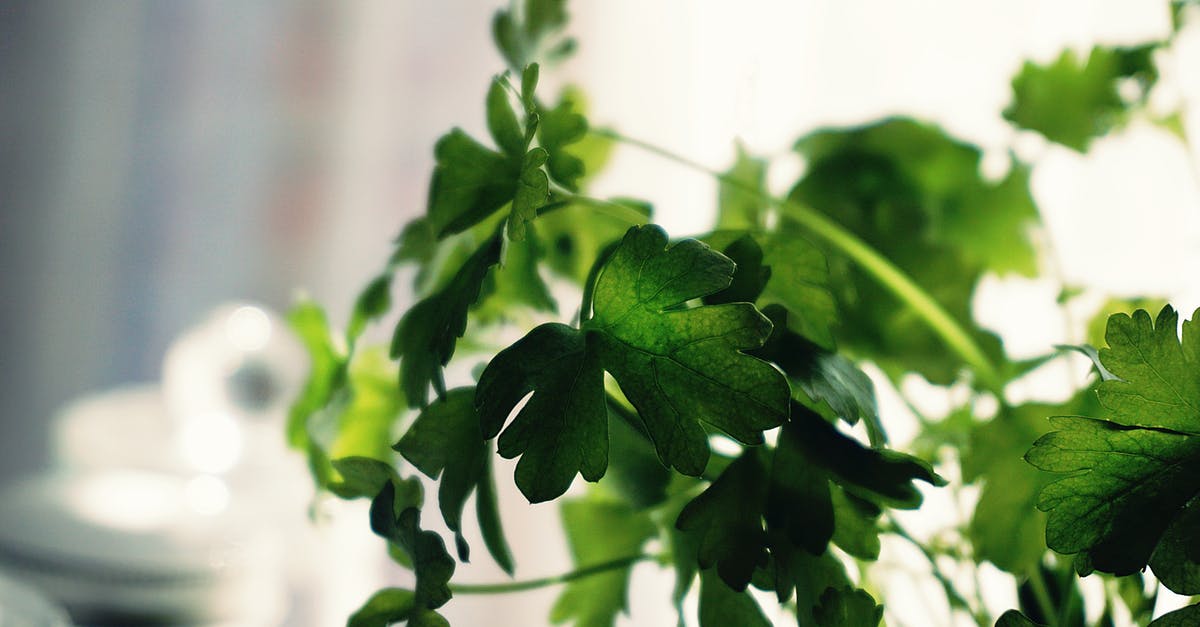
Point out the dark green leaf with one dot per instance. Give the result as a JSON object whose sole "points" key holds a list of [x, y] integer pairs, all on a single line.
{"points": [[488, 512], [1131, 474], [798, 498], [425, 337], [727, 519], [364, 477], [1072, 101], [385, 607], [599, 532], [824, 376], [1013, 618], [847, 607], [431, 563], [749, 277], [1186, 617], [808, 575], [445, 440], [879, 475], [681, 366], [634, 473], [721, 606], [856, 531], [563, 429]]}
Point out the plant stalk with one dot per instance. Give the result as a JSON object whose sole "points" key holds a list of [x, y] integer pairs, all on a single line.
{"points": [[531, 584]]}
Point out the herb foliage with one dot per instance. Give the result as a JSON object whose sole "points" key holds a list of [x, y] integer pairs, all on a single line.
{"points": [[753, 333]]}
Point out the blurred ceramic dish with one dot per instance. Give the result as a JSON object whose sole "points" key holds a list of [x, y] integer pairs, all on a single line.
{"points": [[133, 547], [22, 606]]}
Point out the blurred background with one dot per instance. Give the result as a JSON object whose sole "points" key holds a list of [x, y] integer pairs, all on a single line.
{"points": [[160, 160]]}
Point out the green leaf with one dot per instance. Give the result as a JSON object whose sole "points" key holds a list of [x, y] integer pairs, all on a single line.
{"points": [[846, 607], [1071, 101], [575, 235], [425, 337], [431, 563], [1130, 474], [364, 422], [488, 511], [856, 531], [782, 269], [561, 127], [598, 532], [798, 497], [385, 607], [727, 519], [1014, 618], [502, 121], [740, 206], [681, 366], [878, 475], [721, 606], [825, 377], [470, 182], [916, 196], [563, 429], [364, 477], [326, 378], [515, 283], [445, 440], [808, 575], [1006, 529], [533, 188], [677, 366], [372, 303], [1185, 617], [634, 473], [528, 35]]}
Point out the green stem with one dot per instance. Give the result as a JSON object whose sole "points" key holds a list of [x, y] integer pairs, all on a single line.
{"points": [[953, 596], [868, 259], [1040, 592], [531, 584]]}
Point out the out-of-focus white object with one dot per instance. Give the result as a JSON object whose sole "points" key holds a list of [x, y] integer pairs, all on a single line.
{"points": [[22, 606], [121, 547], [226, 384]]}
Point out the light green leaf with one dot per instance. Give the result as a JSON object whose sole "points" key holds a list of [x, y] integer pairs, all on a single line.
{"points": [[1129, 475], [562, 127], [575, 235], [364, 477], [502, 121], [740, 206], [1073, 100], [533, 188], [487, 509], [470, 182], [598, 532], [528, 35]]}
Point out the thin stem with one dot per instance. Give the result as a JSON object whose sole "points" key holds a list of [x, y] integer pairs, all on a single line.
{"points": [[531, 584], [953, 596], [871, 261], [1040, 592]]}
